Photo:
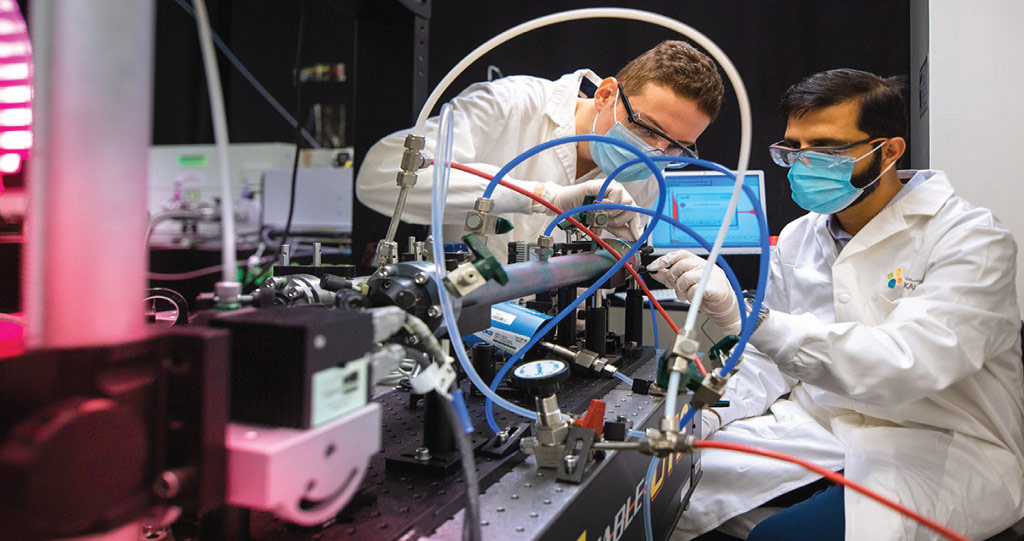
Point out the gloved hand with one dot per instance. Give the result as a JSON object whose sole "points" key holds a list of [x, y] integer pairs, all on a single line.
{"points": [[626, 225], [682, 270], [710, 422]]}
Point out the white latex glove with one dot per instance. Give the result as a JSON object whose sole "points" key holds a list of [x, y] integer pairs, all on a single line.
{"points": [[626, 225], [682, 270], [710, 422]]}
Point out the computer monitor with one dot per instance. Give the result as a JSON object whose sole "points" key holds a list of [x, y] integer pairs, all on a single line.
{"points": [[699, 199]]}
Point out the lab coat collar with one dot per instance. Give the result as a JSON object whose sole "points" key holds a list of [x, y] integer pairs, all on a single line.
{"points": [[561, 109], [933, 192], [925, 199]]}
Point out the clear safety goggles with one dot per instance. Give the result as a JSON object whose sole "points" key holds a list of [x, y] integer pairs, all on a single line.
{"points": [[652, 135], [818, 157]]}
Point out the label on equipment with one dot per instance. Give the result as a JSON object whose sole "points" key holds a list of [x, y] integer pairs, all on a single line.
{"points": [[338, 390], [502, 317], [512, 326]]}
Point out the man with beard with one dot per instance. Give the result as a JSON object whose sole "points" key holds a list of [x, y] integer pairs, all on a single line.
{"points": [[889, 345]]}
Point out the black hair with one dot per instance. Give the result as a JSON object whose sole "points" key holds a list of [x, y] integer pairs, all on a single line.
{"points": [[883, 111]]}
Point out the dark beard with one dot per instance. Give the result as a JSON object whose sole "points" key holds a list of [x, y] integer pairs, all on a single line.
{"points": [[871, 173]]}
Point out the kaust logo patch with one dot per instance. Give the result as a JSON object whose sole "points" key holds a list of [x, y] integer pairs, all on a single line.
{"points": [[895, 277]]}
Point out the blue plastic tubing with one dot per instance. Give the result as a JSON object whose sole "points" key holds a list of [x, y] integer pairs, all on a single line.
{"points": [[662, 193]]}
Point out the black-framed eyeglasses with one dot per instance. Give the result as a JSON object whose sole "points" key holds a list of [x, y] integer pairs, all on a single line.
{"points": [[650, 133]]}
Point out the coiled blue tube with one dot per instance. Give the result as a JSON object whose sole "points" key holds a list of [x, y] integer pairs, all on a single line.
{"points": [[641, 157], [662, 195], [733, 281]]}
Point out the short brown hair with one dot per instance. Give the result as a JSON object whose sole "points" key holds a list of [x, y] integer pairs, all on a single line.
{"points": [[681, 67]]}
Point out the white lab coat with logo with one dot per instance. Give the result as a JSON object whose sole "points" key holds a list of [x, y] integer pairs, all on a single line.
{"points": [[494, 122], [911, 383]]}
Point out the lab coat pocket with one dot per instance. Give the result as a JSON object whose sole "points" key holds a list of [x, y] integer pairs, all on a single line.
{"points": [[783, 420], [810, 288]]}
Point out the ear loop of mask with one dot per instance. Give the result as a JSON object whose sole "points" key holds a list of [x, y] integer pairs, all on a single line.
{"points": [[888, 167], [615, 112]]}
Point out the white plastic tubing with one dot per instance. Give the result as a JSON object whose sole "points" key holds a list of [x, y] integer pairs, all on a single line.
{"points": [[220, 136], [644, 16], [442, 170]]}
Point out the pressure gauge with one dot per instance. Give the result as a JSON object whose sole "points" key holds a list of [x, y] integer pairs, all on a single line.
{"points": [[542, 377]]}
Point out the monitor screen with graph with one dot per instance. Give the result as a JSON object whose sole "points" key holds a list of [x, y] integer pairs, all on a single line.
{"points": [[699, 200]]}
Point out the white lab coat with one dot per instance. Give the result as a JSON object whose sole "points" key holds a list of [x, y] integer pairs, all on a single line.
{"points": [[914, 385], [494, 122]]}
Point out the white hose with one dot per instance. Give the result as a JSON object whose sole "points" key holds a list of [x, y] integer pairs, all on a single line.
{"points": [[672, 393], [220, 136], [644, 16], [442, 170]]}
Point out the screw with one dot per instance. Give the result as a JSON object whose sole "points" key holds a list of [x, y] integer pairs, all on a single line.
{"points": [[422, 454], [570, 462], [434, 311], [502, 435], [385, 270], [420, 278], [167, 486]]}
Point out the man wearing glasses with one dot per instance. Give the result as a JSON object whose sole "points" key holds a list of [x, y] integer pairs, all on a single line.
{"points": [[891, 334], [661, 102]]}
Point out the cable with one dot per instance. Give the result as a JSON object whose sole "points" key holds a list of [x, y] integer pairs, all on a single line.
{"points": [[625, 379], [571, 308], [220, 135], [540, 200], [748, 321], [650, 296], [471, 522], [835, 478], [654, 321], [648, 528], [446, 131], [508, 167], [298, 125], [683, 227], [606, 13], [251, 78]]}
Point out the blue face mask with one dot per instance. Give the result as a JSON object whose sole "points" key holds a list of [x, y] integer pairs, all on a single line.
{"points": [[609, 157], [821, 183]]}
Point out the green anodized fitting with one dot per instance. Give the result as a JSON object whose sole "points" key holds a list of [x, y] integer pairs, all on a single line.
{"points": [[484, 259], [566, 225]]}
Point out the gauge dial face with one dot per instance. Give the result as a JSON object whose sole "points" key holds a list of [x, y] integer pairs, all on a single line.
{"points": [[535, 370]]}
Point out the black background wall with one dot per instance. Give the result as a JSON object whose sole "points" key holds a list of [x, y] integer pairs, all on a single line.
{"points": [[773, 44]]}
